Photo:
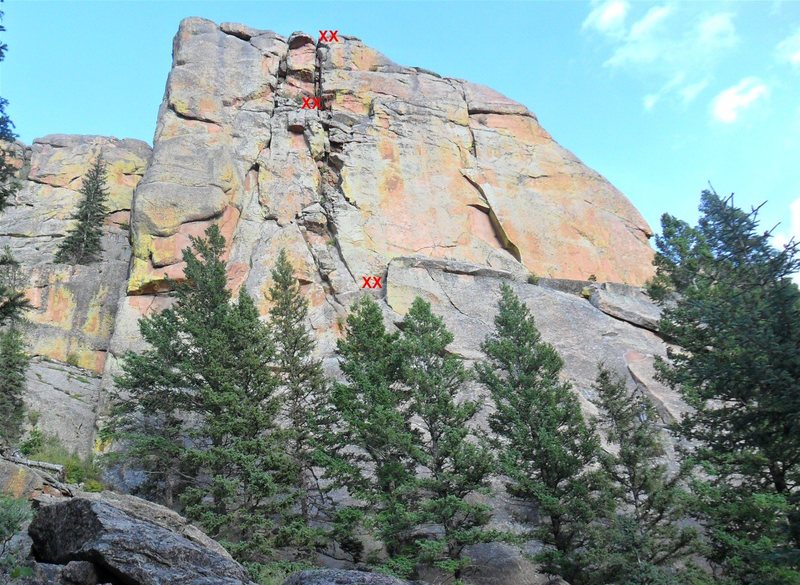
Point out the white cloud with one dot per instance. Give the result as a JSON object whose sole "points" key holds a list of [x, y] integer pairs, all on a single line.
{"points": [[689, 92], [608, 17], [675, 45], [788, 50], [729, 103], [717, 32]]}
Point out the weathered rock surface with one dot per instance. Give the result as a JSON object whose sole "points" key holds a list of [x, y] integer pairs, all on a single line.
{"points": [[628, 303], [338, 577], [73, 306], [440, 187], [124, 548]]}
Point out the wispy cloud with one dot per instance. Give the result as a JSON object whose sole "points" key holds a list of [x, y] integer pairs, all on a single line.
{"points": [[731, 102], [608, 17], [676, 44], [788, 50]]}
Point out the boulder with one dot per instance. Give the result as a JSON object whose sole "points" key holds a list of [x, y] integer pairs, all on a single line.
{"points": [[627, 303], [339, 577], [125, 548]]}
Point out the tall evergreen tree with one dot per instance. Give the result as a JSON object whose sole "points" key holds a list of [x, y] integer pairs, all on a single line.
{"points": [[83, 242], [12, 299], [730, 305], [371, 435], [303, 387], [648, 538], [8, 186], [451, 466], [546, 448], [198, 409], [13, 357]]}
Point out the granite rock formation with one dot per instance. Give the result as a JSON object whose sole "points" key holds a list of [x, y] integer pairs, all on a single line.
{"points": [[439, 187]]}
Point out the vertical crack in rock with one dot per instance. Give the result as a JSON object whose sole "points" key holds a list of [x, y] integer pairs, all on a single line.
{"points": [[508, 245]]}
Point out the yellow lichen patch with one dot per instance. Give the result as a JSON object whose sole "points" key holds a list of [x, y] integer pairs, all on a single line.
{"points": [[53, 348], [17, 484], [101, 445], [98, 322]]}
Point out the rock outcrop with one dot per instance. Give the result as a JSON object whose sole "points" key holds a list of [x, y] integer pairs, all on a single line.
{"points": [[74, 307], [438, 187], [123, 547]]}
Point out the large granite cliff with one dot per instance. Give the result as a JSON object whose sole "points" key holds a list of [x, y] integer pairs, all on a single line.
{"points": [[440, 187]]}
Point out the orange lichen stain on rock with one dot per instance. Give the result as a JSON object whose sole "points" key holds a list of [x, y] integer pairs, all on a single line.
{"points": [[237, 275], [98, 322], [145, 279], [59, 310], [34, 296], [120, 218], [208, 108]]}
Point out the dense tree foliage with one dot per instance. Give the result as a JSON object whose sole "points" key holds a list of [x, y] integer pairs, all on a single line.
{"points": [[730, 305], [233, 421], [83, 245], [302, 394], [450, 467], [197, 410], [546, 448], [646, 540], [13, 357], [368, 450], [8, 186]]}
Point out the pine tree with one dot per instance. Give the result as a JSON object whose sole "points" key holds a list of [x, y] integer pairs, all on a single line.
{"points": [[198, 409], [12, 300], [13, 357], [83, 243], [730, 305], [451, 466], [648, 536], [303, 389], [367, 450], [8, 186], [13, 365], [545, 446]]}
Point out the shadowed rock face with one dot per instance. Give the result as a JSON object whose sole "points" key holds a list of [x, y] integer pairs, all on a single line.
{"points": [[126, 548]]}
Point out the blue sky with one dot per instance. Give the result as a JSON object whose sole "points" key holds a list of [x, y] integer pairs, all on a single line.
{"points": [[660, 97]]}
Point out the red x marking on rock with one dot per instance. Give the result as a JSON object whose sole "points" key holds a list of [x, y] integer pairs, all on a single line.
{"points": [[310, 103], [329, 36], [371, 282]]}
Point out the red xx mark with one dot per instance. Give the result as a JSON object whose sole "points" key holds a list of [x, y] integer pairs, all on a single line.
{"points": [[371, 282], [329, 36], [310, 103]]}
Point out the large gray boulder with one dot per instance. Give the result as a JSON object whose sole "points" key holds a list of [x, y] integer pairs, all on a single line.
{"points": [[125, 548]]}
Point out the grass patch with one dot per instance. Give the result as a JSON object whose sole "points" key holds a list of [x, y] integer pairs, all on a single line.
{"points": [[48, 448]]}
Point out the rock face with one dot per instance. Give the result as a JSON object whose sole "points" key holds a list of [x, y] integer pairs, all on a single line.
{"points": [[438, 187], [125, 548], [74, 307]]}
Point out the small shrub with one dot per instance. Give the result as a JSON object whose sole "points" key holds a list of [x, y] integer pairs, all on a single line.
{"points": [[533, 279], [14, 512], [592, 278], [32, 444], [73, 359], [274, 573], [33, 417], [41, 447]]}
